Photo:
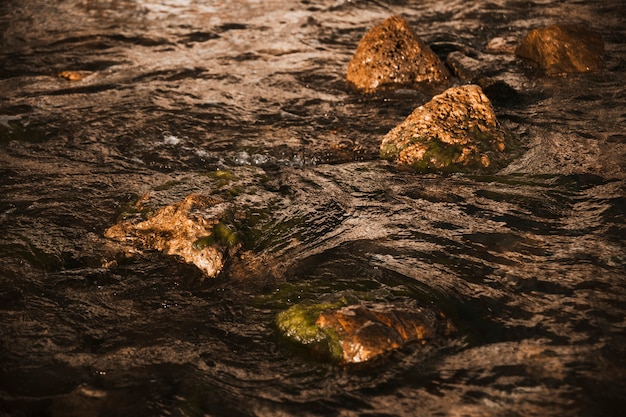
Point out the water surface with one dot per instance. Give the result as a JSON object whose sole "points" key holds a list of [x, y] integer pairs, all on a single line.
{"points": [[528, 262]]}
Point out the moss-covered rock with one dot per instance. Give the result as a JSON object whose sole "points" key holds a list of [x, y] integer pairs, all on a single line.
{"points": [[391, 55], [299, 325], [356, 333], [560, 49], [186, 229], [455, 131]]}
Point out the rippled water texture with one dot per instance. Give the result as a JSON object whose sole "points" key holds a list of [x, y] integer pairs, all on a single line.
{"points": [[528, 263]]}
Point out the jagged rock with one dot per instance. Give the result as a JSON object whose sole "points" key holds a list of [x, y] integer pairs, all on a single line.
{"points": [[187, 229], [390, 55], [455, 131], [357, 333], [560, 49]]}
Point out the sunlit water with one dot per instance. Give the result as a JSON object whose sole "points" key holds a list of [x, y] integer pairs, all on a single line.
{"points": [[528, 263]]}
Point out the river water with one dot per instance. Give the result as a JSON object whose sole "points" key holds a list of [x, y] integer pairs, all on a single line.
{"points": [[248, 99]]}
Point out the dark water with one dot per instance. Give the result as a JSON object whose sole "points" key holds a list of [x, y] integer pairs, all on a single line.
{"points": [[529, 263]]}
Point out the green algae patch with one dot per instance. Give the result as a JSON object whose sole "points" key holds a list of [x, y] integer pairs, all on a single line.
{"points": [[167, 185], [222, 233], [225, 234], [299, 325], [221, 177], [389, 150]]}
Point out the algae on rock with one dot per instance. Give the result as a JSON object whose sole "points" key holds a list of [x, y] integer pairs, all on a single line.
{"points": [[299, 324], [455, 131], [358, 333], [184, 229]]}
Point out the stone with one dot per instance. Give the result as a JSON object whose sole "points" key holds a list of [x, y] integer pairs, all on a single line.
{"points": [[561, 49], [73, 75], [391, 55], [358, 333], [502, 45], [478, 68], [186, 229], [456, 131]]}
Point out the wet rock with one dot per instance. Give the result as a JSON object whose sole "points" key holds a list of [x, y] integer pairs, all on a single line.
{"points": [[391, 55], [467, 68], [74, 75], [455, 131], [560, 49], [356, 333], [502, 45], [479, 69], [189, 229]]}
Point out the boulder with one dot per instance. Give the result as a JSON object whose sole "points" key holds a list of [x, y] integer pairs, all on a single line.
{"points": [[357, 333], [186, 229], [560, 49], [455, 131], [390, 55]]}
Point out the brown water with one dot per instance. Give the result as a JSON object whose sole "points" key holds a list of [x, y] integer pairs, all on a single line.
{"points": [[529, 263]]}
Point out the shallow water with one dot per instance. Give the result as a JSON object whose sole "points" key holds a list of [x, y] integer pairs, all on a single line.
{"points": [[528, 262]]}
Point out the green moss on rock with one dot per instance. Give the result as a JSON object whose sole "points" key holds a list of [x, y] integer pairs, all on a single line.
{"points": [[456, 131], [298, 324]]}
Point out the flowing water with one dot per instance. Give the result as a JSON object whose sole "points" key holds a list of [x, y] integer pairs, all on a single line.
{"points": [[248, 99]]}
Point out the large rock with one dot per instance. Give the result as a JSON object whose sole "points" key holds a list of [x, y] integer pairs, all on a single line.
{"points": [[357, 333], [560, 49], [455, 131], [189, 229], [391, 55]]}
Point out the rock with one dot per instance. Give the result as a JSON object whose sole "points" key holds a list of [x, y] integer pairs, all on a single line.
{"points": [[479, 70], [74, 75], [467, 68], [560, 49], [390, 55], [455, 131], [502, 45], [186, 229], [357, 333]]}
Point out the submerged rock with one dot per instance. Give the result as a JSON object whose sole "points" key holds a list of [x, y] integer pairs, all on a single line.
{"points": [[391, 55], [560, 49], [186, 229], [455, 131], [356, 333]]}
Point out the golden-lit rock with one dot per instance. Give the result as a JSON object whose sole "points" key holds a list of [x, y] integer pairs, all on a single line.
{"points": [[455, 131], [368, 332], [391, 55], [560, 49], [184, 229], [357, 333], [72, 75]]}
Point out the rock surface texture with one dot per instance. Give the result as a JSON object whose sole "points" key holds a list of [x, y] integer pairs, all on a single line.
{"points": [[390, 55], [185, 229], [561, 49], [368, 332], [357, 333], [455, 131]]}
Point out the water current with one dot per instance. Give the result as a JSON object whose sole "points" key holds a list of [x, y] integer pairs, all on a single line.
{"points": [[528, 262]]}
